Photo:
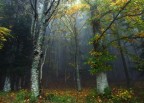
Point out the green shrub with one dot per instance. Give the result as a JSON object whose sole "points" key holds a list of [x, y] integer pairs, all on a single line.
{"points": [[92, 97], [23, 96], [20, 97], [60, 99], [107, 93], [32, 99], [50, 97], [3, 93]]}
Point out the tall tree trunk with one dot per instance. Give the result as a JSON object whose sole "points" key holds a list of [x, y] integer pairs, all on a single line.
{"points": [[122, 55], [77, 62], [78, 78], [124, 63], [36, 62], [38, 44], [102, 82], [43, 11], [41, 67], [19, 83]]}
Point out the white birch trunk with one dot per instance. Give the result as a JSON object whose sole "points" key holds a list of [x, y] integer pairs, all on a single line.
{"points": [[36, 62], [35, 81], [35, 71], [44, 15], [7, 85], [102, 82]]}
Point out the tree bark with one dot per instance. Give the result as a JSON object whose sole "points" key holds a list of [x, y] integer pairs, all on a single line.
{"points": [[102, 82], [122, 54], [43, 11], [124, 62], [38, 37], [78, 78], [77, 60], [7, 84], [36, 62]]}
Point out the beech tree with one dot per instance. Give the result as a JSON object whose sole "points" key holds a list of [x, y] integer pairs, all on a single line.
{"points": [[100, 54], [42, 13], [102, 29]]}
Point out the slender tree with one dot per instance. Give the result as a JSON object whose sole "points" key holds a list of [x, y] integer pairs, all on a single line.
{"points": [[70, 21]]}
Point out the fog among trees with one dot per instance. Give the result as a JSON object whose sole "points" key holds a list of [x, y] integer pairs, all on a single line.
{"points": [[71, 51]]}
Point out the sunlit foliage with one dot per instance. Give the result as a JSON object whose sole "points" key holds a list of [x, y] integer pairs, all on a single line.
{"points": [[118, 2], [73, 9], [4, 33]]}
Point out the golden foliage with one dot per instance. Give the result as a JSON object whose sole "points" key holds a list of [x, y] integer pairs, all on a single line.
{"points": [[118, 2], [95, 53], [141, 35], [76, 8], [4, 32]]}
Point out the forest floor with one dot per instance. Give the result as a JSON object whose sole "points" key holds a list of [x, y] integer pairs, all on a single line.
{"points": [[70, 95]]}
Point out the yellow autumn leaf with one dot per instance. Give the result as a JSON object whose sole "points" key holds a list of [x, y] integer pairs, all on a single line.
{"points": [[118, 2], [75, 8]]}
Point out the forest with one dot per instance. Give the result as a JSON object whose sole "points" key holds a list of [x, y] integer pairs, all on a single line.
{"points": [[71, 51]]}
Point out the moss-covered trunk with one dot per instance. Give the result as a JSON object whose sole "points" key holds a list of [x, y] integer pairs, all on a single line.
{"points": [[101, 80]]}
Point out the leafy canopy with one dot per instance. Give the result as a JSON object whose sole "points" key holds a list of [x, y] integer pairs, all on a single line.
{"points": [[99, 61]]}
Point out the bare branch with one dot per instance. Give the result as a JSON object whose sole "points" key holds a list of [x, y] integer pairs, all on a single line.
{"points": [[49, 9], [34, 8], [32, 5], [138, 14], [125, 37], [51, 13]]}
